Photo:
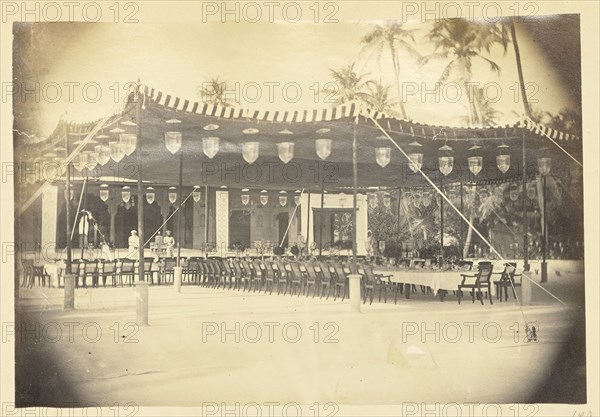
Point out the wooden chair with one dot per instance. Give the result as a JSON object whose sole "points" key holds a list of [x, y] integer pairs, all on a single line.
{"points": [[479, 281], [376, 282], [326, 279], [127, 270], [90, 269], [168, 270], [340, 280], [281, 275], [248, 274], [148, 272], [109, 269], [28, 273], [310, 277], [507, 280], [297, 277], [270, 276]]}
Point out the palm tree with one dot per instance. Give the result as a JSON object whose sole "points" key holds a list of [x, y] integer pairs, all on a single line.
{"points": [[378, 98], [393, 36], [489, 115], [351, 86], [462, 42], [215, 91]]}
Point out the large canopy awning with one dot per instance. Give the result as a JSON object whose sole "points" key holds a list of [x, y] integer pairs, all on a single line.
{"points": [[161, 113]]}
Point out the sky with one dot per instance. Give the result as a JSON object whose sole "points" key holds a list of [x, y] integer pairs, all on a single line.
{"points": [[271, 66]]}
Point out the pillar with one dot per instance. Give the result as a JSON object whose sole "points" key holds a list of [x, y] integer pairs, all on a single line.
{"points": [[49, 219], [222, 221]]}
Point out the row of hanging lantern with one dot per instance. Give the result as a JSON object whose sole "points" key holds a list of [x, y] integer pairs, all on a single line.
{"points": [[264, 197], [150, 194]]}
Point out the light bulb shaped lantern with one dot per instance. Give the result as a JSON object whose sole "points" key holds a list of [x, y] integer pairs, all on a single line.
{"points": [[250, 151], [503, 163], [544, 165], [286, 151], [210, 146], [102, 154], [126, 194], [387, 200], [245, 196], [173, 141], [104, 192], [446, 164], [196, 194], [323, 148], [383, 156], [129, 142], [116, 151], [416, 161], [475, 164], [150, 195], [172, 195], [91, 161], [297, 197], [373, 202], [264, 197], [282, 198]]}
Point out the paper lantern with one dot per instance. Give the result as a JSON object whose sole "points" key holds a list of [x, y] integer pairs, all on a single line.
{"points": [[173, 141], [104, 192], [446, 164], [126, 194], [544, 165], [416, 161], [297, 200], [172, 195], [196, 194], [129, 142], [323, 148], [286, 151], [250, 151], [373, 200], [264, 197], [383, 156], [116, 151], [387, 200], [245, 196], [475, 164], [282, 198], [503, 163], [102, 154], [150, 195], [210, 146]]}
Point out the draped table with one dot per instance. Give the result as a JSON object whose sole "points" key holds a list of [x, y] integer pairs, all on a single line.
{"points": [[440, 281]]}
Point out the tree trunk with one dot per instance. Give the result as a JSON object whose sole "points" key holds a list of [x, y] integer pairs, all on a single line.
{"points": [[469, 237], [397, 74]]}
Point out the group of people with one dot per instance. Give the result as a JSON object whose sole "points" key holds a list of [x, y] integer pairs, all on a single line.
{"points": [[163, 245]]}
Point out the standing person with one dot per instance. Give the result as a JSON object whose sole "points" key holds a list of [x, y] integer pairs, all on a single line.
{"points": [[169, 242], [84, 228], [134, 244]]}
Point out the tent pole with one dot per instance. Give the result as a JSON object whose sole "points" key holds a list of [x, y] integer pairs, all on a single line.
{"points": [[321, 214], [354, 279], [68, 201], [179, 236], [206, 219], [525, 217], [441, 219], [308, 222], [462, 227], [140, 186]]}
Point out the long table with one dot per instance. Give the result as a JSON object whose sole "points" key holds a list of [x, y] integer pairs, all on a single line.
{"points": [[439, 281]]}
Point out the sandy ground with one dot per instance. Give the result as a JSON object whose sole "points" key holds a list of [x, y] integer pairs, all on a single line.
{"points": [[213, 345]]}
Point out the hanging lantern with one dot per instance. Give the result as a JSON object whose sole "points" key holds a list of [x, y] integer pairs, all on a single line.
{"points": [[102, 154], [416, 161], [297, 200], [544, 166], [417, 198], [475, 164], [503, 163], [446, 164], [282, 198], [387, 200], [117, 130], [173, 141], [91, 161], [323, 148], [129, 142], [383, 156], [210, 146], [116, 151], [513, 193], [372, 200], [71, 193], [245, 196], [342, 199], [172, 195], [104, 193], [484, 193], [286, 151], [81, 161], [125, 194], [531, 191], [196, 194], [150, 195], [250, 151], [264, 197]]}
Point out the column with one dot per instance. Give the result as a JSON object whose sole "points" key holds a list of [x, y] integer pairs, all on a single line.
{"points": [[49, 220], [222, 221]]}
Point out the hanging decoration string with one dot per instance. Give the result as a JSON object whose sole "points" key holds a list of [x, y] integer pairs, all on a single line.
{"points": [[553, 141]]}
